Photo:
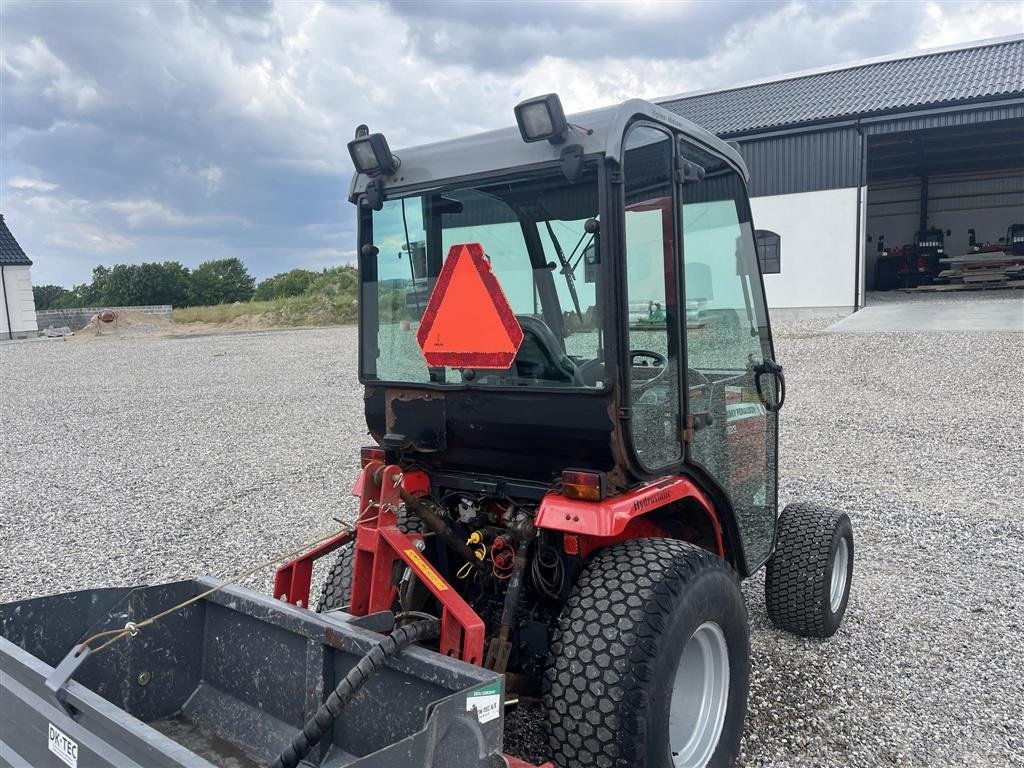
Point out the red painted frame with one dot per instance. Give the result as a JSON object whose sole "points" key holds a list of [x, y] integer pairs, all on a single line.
{"points": [[291, 580], [621, 517], [380, 544]]}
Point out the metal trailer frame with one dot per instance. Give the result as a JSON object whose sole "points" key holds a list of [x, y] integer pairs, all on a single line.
{"points": [[228, 680]]}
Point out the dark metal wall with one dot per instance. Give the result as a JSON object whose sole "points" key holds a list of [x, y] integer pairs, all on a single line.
{"points": [[997, 145], [802, 162], [945, 118], [828, 157]]}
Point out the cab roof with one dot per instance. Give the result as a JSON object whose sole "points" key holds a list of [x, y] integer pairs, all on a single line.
{"points": [[502, 149]]}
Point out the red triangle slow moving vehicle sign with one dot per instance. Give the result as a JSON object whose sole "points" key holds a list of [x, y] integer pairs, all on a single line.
{"points": [[468, 322]]}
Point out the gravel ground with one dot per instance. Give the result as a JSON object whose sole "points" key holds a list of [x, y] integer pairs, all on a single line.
{"points": [[134, 460]]}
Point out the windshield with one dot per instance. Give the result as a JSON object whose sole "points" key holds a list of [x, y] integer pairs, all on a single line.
{"points": [[533, 232]]}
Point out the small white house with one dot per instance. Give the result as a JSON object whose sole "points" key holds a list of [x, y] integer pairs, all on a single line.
{"points": [[17, 307]]}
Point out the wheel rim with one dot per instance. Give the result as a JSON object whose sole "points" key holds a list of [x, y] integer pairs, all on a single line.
{"points": [[700, 695], [840, 567]]}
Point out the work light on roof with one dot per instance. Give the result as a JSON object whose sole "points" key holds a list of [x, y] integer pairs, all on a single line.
{"points": [[542, 118], [372, 155]]}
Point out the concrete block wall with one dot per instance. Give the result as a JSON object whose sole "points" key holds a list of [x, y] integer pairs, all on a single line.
{"points": [[79, 317]]}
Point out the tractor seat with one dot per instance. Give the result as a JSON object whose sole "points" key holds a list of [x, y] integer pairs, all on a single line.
{"points": [[540, 356]]}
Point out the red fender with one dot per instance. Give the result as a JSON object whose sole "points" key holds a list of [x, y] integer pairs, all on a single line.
{"points": [[614, 519]]}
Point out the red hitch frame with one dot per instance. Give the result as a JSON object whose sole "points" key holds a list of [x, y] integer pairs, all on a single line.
{"points": [[379, 545], [291, 581]]}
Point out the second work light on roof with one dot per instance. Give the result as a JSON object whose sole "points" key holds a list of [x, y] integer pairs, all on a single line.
{"points": [[372, 155], [542, 118]]}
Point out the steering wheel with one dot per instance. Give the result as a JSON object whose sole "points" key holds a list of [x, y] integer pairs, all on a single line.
{"points": [[658, 362]]}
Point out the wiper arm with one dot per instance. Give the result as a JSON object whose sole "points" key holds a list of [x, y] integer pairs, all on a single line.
{"points": [[566, 269], [412, 268]]}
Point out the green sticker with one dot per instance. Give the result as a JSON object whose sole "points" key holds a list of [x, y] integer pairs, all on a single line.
{"points": [[486, 701]]}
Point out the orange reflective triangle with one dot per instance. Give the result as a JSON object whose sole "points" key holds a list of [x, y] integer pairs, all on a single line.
{"points": [[468, 322]]}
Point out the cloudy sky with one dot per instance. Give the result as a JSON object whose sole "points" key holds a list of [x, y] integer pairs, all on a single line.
{"points": [[194, 130]]}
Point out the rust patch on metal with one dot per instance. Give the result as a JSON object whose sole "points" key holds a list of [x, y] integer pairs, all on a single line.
{"points": [[333, 639], [616, 442], [405, 396], [417, 415]]}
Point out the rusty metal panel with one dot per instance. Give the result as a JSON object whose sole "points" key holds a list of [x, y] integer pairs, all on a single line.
{"points": [[418, 416]]}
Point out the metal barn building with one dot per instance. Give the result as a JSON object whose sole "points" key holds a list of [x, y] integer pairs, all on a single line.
{"points": [[17, 306], [844, 156]]}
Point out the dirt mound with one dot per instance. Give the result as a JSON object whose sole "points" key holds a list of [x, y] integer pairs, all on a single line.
{"points": [[126, 324]]}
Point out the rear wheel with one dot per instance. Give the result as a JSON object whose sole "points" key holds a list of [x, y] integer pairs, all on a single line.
{"points": [[650, 661], [807, 582]]}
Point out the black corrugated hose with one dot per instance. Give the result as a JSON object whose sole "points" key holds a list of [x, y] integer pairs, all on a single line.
{"points": [[329, 711]]}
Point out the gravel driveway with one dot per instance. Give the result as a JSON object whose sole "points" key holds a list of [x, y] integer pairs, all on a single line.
{"points": [[134, 460]]}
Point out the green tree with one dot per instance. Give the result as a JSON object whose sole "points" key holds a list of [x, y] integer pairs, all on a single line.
{"points": [[293, 283], [128, 285], [47, 296], [221, 281], [166, 283], [336, 280], [117, 286]]}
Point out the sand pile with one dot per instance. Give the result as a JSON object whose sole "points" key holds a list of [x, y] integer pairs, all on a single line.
{"points": [[126, 324]]}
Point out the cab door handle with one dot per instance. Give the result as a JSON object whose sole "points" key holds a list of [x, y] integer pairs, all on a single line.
{"points": [[770, 368]]}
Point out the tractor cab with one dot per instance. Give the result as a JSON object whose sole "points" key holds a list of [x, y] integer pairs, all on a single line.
{"points": [[613, 319]]}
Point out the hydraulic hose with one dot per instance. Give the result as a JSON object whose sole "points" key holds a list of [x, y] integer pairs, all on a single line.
{"points": [[329, 711], [437, 524]]}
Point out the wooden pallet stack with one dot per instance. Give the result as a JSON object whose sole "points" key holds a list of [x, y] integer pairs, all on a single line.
{"points": [[994, 269]]}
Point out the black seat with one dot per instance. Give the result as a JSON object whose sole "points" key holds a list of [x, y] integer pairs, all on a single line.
{"points": [[540, 356]]}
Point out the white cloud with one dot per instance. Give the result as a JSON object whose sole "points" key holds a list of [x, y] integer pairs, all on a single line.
{"points": [[85, 237], [35, 65], [139, 212], [948, 24], [148, 212], [324, 258], [213, 176], [34, 185]]}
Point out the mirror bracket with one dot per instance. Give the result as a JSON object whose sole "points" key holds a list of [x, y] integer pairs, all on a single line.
{"points": [[571, 160], [374, 195]]}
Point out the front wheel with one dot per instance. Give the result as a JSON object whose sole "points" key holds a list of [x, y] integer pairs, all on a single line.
{"points": [[807, 582], [650, 661]]}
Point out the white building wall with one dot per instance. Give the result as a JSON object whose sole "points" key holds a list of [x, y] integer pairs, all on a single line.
{"points": [[18, 301], [818, 243]]}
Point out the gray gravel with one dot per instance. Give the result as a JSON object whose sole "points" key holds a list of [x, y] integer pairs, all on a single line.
{"points": [[126, 461]]}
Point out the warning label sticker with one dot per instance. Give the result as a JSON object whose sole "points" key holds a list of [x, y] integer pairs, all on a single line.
{"points": [[425, 570], [486, 702]]}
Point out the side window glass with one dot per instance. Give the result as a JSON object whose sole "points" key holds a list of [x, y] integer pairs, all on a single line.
{"points": [[651, 301], [401, 289], [727, 338]]}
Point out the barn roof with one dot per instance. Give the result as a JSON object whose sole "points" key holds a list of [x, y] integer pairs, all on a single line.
{"points": [[930, 79], [11, 254]]}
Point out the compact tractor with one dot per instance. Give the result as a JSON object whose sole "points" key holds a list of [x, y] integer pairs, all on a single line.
{"points": [[911, 265], [560, 503]]}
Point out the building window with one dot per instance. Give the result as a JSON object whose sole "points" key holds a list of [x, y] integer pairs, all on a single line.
{"points": [[769, 251]]}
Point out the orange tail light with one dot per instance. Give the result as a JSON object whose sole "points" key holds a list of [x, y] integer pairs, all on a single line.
{"points": [[584, 486]]}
